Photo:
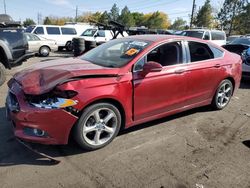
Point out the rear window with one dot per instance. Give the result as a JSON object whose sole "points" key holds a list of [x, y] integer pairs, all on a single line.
{"points": [[217, 35], [53, 30], [195, 34], [68, 31], [217, 52], [39, 30]]}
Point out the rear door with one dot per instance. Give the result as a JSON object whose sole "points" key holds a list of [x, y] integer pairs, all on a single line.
{"points": [[204, 71], [161, 91]]}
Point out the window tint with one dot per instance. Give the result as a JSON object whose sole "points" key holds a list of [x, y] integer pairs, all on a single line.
{"points": [[217, 52], [216, 35], [101, 33], [199, 52], [167, 54], [53, 30], [196, 34], [39, 30], [139, 65], [206, 36], [68, 31]]}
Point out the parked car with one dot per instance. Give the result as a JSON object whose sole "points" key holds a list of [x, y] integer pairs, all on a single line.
{"points": [[241, 46], [13, 50], [39, 45], [63, 35], [216, 36], [232, 37], [99, 36], [119, 84]]}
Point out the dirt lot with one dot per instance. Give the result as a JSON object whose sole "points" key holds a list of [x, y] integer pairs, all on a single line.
{"points": [[198, 148]]}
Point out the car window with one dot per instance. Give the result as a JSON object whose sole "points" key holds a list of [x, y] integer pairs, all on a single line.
{"points": [[29, 29], [68, 31], [167, 54], [53, 30], [115, 53], [216, 35], [195, 34], [217, 52], [89, 32], [139, 65], [39, 31], [206, 36], [199, 51], [101, 33], [241, 41]]}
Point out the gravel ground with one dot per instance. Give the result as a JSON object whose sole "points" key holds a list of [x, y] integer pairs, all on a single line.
{"points": [[199, 148]]}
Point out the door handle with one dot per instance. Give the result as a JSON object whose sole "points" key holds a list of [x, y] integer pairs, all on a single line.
{"points": [[217, 66], [179, 71]]}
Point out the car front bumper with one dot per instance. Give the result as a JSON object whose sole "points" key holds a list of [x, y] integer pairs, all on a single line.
{"points": [[56, 123]]}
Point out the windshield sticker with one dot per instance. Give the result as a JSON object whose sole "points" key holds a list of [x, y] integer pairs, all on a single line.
{"points": [[131, 52], [139, 43]]}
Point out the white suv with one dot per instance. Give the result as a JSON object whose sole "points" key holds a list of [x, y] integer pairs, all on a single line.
{"points": [[215, 36], [99, 36]]}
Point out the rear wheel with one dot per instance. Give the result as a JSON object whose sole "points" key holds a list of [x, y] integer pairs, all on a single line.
{"points": [[98, 126], [223, 95], [44, 51], [2, 73], [69, 46]]}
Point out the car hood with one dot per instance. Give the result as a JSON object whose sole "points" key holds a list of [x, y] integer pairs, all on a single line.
{"points": [[42, 78]]}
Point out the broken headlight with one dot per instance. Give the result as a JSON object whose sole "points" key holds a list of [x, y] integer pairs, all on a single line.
{"points": [[53, 100]]}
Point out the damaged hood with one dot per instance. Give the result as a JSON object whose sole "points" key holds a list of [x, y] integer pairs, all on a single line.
{"points": [[42, 77]]}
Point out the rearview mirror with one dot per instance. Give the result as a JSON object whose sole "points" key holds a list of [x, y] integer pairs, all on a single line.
{"points": [[152, 66]]}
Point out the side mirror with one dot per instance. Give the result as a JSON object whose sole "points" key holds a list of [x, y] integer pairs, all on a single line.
{"points": [[152, 66]]}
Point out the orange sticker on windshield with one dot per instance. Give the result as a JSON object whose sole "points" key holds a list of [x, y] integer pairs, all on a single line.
{"points": [[132, 51]]}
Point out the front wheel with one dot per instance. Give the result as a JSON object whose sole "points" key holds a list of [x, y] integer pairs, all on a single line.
{"points": [[223, 95], [69, 46], [98, 126], [44, 51]]}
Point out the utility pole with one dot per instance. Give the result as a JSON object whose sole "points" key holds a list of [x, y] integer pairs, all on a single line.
{"points": [[4, 4], [39, 18], [192, 15], [76, 13]]}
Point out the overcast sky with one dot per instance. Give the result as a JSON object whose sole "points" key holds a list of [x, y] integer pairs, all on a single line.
{"points": [[22, 9]]}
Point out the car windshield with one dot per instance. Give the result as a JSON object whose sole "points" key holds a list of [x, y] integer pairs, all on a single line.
{"points": [[195, 34], [89, 32], [241, 41], [115, 53]]}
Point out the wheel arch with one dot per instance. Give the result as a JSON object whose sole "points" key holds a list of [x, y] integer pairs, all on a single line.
{"points": [[45, 46], [4, 58], [112, 101]]}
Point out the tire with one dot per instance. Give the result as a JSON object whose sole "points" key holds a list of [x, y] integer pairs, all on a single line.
{"points": [[44, 51], [78, 46], [223, 95], [2, 74], [69, 46], [92, 131]]}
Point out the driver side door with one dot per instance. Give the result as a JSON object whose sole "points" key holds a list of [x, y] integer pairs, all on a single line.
{"points": [[162, 91]]}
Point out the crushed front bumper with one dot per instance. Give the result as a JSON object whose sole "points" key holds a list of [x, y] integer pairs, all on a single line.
{"points": [[56, 123]]}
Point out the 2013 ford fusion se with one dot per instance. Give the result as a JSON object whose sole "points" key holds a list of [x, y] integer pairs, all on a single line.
{"points": [[117, 85]]}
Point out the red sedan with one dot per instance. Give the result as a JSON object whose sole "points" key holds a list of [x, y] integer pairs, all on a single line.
{"points": [[117, 85]]}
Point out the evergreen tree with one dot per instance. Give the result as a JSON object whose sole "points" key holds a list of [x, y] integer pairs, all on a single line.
{"points": [[28, 22], [204, 16], [47, 21], [227, 14], [114, 13], [126, 18]]}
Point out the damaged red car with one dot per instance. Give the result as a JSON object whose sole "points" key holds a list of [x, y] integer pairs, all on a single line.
{"points": [[117, 85]]}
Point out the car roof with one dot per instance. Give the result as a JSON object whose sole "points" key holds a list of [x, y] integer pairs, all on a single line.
{"points": [[158, 38]]}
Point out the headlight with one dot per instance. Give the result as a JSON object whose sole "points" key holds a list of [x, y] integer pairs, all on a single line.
{"points": [[55, 103], [53, 100]]}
